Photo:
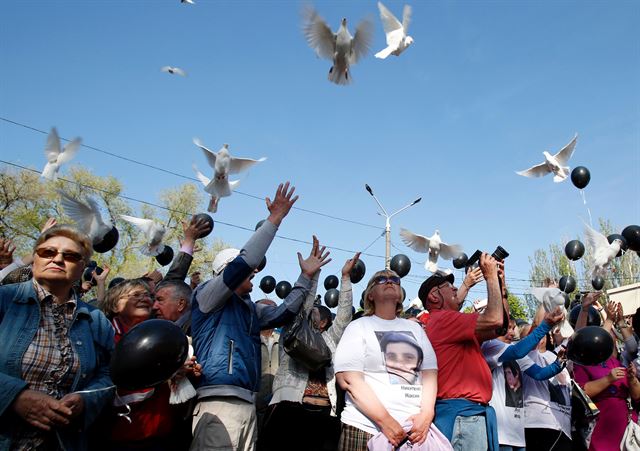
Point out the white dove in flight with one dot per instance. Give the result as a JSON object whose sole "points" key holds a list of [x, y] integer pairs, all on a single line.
{"points": [[57, 157], [86, 215], [550, 298], [340, 47], [153, 233], [173, 70], [223, 164], [206, 181], [553, 163], [433, 245], [601, 250], [397, 39]]}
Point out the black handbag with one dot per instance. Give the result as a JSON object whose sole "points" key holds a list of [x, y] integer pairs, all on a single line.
{"points": [[305, 345]]}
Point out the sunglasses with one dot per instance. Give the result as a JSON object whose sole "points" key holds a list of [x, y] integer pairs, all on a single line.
{"points": [[51, 253], [381, 280]]}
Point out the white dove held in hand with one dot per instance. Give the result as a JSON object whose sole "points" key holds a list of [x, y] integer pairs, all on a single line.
{"points": [[433, 245], [340, 47], [57, 157], [153, 234], [396, 32], [553, 164], [87, 216], [601, 250], [550, 299]]}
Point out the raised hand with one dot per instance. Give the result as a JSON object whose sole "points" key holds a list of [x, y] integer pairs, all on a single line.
{"points": [[473, 277], [349, 264], [554, 317], [47, 225], [590, 298], [194, 229], [6, 252], [281, 204], [102, 277], [316, 260], [488, 266]]}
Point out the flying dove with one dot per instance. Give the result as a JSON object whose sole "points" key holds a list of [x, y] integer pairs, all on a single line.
{"points": [[86, 215], [174, 70], [397, 39], [550, 298], [340, 47], [601, 250], [57, 157], [553, 163], [153, 233], [222, 164], [433, 245]]}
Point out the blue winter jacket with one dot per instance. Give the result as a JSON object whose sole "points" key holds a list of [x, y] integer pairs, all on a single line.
{"points": [[92, 340]]}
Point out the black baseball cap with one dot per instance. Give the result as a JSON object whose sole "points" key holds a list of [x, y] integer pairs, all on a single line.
{"points": [[432, 282]]}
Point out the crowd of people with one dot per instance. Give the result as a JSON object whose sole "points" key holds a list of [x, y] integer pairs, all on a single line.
{"points": [[440, 380]]}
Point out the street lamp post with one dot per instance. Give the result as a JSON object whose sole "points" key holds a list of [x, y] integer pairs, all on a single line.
{"points": [[387, 226]]}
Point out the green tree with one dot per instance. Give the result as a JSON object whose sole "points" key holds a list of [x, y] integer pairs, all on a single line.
{"points": [[517, 307]]}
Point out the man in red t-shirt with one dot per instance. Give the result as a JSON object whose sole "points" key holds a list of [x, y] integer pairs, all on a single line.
{"points": [[464, 379]]}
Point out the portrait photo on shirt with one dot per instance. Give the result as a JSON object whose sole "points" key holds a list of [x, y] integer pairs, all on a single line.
{"points": [[402, 356], [513, 384], [558, 393]]}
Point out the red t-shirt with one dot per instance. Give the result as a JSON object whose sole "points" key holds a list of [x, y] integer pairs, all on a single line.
{"points": [[462, 370]]}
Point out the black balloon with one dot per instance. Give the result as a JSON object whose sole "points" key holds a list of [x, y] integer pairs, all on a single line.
{"points": [[165, 257], [259, 224], [268, 284], [580, 177], [404, 294], [623, 245], [331, 282], [574, 250], [400, 264], [108, 241], [331, 298], [460, 261], [358, 271], [567, 284], [362, 300], [283, 289], [632, 235], [262, 264], [592, 320], [597, 283], [590, 345], [148, 355], [206, 218]]}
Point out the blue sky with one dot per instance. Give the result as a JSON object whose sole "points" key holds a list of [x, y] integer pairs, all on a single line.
{"points": [[487, 86]]}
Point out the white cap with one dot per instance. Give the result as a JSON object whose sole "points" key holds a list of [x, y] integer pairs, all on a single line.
{"points": [[223, 258]]}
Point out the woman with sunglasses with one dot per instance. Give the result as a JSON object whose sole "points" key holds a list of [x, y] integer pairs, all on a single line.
{"points": [[388, 369], [151, 419], [54, 357]]}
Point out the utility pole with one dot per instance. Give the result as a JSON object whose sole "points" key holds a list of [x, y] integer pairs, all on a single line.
{"points": [[387, 226]]}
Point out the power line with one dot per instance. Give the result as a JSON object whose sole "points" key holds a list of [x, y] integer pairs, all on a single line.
{"points": [[133, 199], [176, 174]]}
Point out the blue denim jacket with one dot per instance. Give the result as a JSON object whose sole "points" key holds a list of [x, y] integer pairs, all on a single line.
{"points": [[92, 339]]}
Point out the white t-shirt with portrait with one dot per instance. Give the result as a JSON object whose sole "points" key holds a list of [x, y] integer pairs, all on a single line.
{"points": [[391, 354], [548, 403], [508, 397]]}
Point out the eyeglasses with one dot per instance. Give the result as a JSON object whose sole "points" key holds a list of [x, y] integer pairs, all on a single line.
{"points": [[139, 296], [381, 280], [51, 253]]}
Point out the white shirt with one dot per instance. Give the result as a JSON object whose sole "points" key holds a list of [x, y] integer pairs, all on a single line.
{"points": [[548, 403], [507, 399], [388, 352]]}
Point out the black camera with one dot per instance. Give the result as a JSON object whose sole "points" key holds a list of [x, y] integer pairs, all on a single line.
{"points": [[499, 254]]}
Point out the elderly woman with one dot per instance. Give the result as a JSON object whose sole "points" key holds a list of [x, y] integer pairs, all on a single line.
{"points": [[304, 402], [152, 418], [54, 357], [391, 381]]}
